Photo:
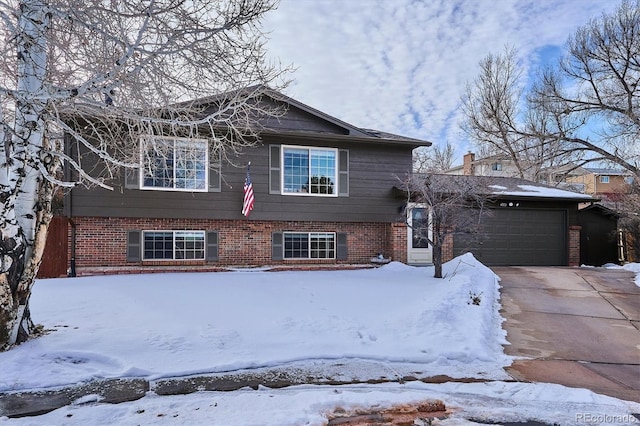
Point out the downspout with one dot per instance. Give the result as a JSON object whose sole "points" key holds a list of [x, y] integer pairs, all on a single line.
{"points": [[69, 208]]}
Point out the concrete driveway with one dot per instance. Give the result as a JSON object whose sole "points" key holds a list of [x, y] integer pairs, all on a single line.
{"points": [[578, 327]]}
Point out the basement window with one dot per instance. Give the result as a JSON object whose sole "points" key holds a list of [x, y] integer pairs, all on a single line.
{"points": [[173, 245], [311, 245]]}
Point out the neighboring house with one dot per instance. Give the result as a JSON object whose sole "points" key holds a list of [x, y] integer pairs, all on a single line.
{"points": [[323, 196], [489, 166], [598, 181], [528, 224]]}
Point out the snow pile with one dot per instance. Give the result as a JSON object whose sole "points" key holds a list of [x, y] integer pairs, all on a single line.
{"points": [[164, 325], [632, 267], [635, 268]]}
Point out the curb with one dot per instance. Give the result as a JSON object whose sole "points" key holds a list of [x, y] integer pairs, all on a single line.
{"points": [[114, 391]]}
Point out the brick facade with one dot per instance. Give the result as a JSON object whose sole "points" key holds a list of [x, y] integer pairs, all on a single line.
{"points": [[102, 242], [574, 246], [397, 242]]}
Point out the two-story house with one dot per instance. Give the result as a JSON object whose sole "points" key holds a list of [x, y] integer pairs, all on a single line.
{"points": [[326, 194], [601, 182], [494, 165], [323, 193]]}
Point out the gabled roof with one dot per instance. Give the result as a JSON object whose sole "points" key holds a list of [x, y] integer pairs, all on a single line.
{"points": [[352, 132], [598, 171], [602, 210], [349, 131]]}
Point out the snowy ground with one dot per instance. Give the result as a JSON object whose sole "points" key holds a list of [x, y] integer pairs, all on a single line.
{"points": [[168, 325]]}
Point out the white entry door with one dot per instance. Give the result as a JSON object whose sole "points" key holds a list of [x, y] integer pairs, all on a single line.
{"points": [[419, 229]]}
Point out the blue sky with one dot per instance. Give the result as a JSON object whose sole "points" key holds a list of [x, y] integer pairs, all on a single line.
{"points": [[402, 65]]}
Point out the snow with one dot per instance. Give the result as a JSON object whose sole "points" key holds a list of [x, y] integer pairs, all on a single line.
{"points": [[396, 318], [541, 191], [309, 405], [632, 267]]}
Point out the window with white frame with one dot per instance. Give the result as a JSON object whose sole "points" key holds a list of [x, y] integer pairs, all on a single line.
{"points": [[496, 167], [604, 179], [173, 245], [309, 171], [309, 245], [174, 164]]}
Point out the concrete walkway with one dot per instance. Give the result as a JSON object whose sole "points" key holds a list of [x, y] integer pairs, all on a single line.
{"points": [[578, 327]]}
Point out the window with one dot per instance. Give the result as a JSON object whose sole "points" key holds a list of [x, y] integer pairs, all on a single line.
{"points": [[419, 227], [604, 179], [173, 245], [496, 167], [174, 164], [629, 180], [309, 171], [312, 245]]}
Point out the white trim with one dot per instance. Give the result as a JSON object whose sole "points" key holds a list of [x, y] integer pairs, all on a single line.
{"points": [[309, 148], [189, 141], [418, 256], [309, 234], [173, 233]]}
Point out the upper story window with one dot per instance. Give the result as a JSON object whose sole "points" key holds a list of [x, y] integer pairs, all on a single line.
{"points": [[309, 171], [496, 167], [174, 164], [604, 179], [629, 180]]}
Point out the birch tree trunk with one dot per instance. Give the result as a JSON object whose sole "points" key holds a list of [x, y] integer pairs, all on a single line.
{"points": [[26, 218]]}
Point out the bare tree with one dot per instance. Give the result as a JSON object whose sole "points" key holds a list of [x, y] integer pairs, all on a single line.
{"points": [[436, 159], [456, 204], [100, 77], [499, 123], [595, 91]]}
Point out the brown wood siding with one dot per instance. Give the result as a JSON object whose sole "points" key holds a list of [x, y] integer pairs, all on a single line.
{"points": [[373, 171], [55, 255]]}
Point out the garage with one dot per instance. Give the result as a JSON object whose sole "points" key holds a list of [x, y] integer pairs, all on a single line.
{"points": [[515, 236]]}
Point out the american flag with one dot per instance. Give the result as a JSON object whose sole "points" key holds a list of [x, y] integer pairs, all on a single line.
{"points": [[247, 205]]}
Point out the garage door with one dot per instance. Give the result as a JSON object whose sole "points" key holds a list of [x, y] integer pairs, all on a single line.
{"points": [[518, 237]]}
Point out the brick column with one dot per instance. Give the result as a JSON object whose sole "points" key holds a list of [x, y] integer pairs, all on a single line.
{"points": [[573, 254], [397, 242], [447, 248]]}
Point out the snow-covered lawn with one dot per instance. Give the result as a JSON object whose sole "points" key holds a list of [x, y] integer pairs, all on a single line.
{"points": [[162, 325], [168, 325]]}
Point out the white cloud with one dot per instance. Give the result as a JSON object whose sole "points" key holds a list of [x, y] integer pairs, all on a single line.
{"points": [[402, 65]]}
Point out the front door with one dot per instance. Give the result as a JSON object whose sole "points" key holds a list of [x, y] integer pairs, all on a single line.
{"points": [[419, 231]]}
